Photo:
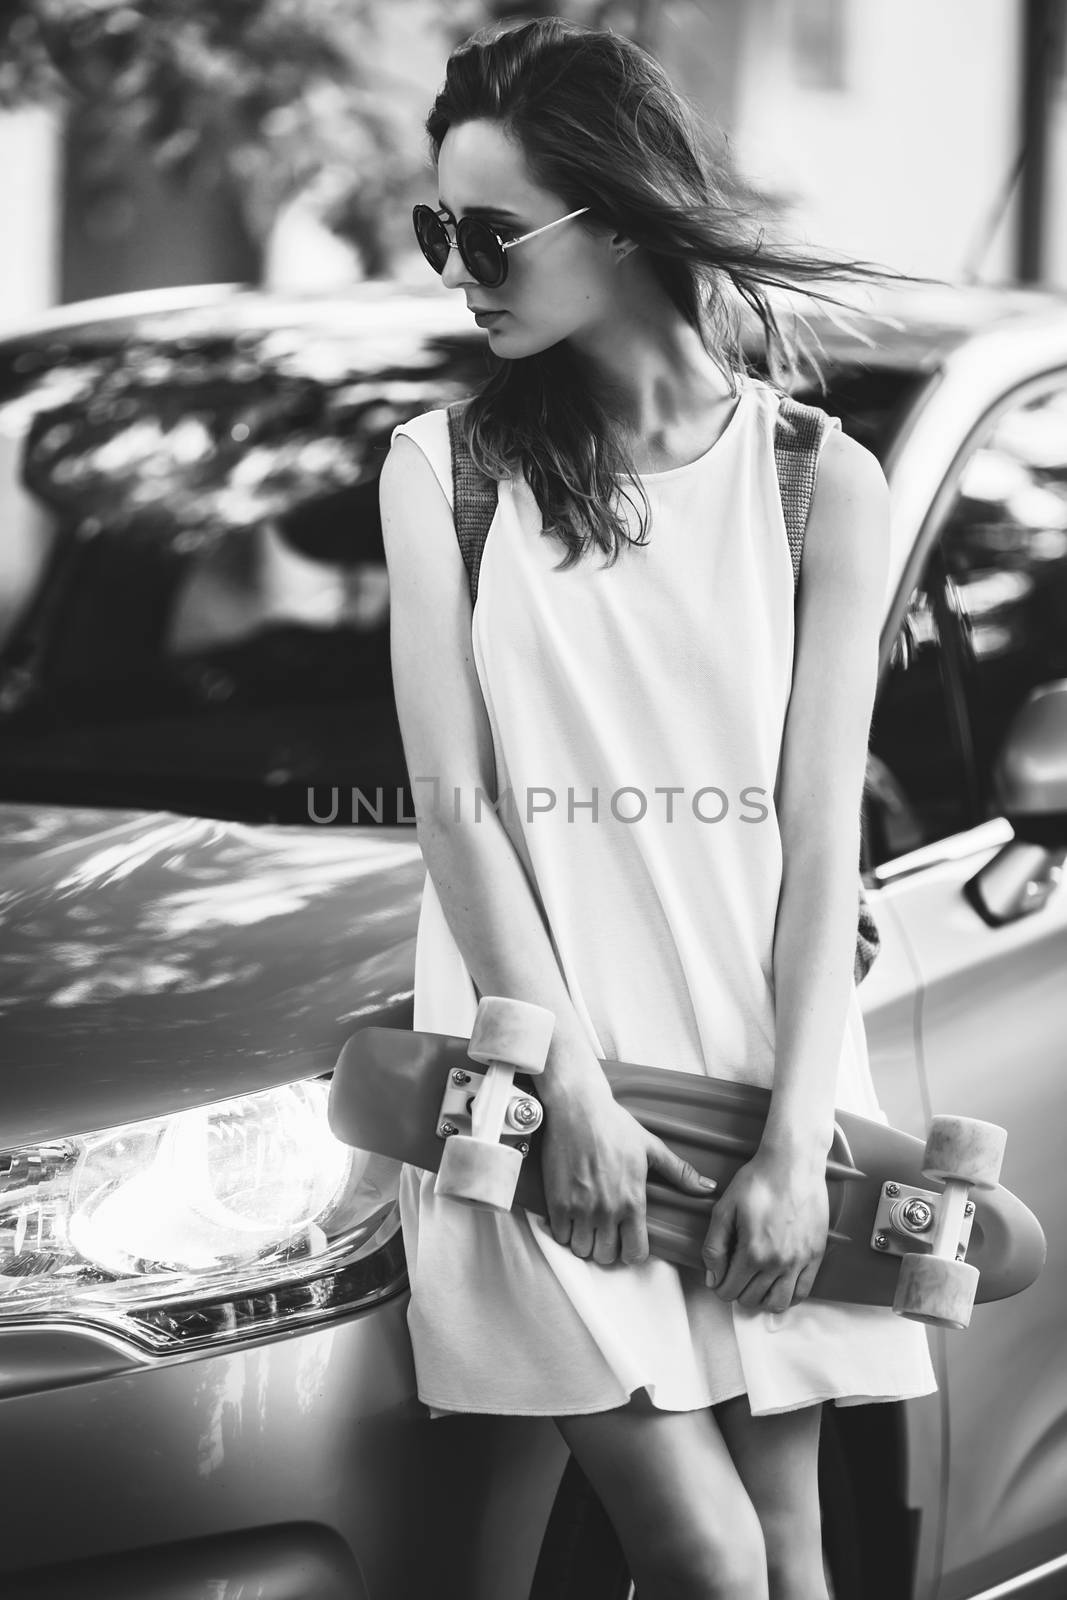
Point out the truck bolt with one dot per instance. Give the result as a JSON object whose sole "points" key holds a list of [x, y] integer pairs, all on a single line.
{"points": [[917, 1215], [525, 1113]]}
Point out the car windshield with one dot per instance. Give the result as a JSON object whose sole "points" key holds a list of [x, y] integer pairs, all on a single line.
{"points": [[194, 608]]}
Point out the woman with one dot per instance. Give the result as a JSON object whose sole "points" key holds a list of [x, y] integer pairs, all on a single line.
{"points": [[623, 680]]}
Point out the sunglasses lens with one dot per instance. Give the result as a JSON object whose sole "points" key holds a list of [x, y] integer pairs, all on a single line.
{"points": [[432, 237], [478, 245], [480, 249]]}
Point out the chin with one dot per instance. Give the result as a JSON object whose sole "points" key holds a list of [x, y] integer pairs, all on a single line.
{"points": [[522, 344]]}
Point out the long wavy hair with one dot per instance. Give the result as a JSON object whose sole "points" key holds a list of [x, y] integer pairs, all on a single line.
{"points": [[601, 125]]}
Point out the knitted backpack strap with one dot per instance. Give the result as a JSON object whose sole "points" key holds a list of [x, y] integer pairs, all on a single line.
{"points": [[797, 434], [473, 499], [797, 438]]}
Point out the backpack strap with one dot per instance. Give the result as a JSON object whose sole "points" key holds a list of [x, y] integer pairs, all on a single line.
{"points": [[473, 499], [797, 438]]}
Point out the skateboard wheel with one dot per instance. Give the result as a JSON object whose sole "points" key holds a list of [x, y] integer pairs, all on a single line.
{"points": [[513, 1033], [935, 1290], [478, 1173], [964, 1150]]}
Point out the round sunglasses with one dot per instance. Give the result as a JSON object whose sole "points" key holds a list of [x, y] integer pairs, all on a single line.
{"points": [[481, 249]]}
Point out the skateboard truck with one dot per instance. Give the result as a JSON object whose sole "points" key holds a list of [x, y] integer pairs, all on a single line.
{"points": [[481, 1167], [907, 1217], [930, 1230], [523, 1116]]}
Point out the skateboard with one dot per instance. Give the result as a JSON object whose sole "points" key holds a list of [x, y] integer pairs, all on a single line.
{"points": [[924, 1228]]}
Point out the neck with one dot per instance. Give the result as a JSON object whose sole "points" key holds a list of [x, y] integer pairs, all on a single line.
{"points": [[648, 366]]}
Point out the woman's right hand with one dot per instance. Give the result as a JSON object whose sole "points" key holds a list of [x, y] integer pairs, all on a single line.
{"points": [[595, 1161]]}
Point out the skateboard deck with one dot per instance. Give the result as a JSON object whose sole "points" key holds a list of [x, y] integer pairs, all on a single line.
{"points": [[401, 1093]]}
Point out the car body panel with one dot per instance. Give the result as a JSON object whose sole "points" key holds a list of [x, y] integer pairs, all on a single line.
{"points": [[889, 1000], [284, 1432], [1005, 1507], [211, 959]]}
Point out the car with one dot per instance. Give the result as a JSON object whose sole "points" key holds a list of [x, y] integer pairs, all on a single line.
{"points": [[211, 878]]}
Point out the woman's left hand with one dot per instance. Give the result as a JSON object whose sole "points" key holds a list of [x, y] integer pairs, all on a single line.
{"points": [[768, 1232]]}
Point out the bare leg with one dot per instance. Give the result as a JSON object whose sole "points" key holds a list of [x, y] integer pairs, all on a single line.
{"points": [[684, 1519], [777, 1460]]}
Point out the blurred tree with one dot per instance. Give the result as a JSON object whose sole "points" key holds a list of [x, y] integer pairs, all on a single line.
{"points": [[243, 106], [266, 97]]}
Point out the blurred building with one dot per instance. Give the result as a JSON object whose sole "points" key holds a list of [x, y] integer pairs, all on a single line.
{"points": [[888, 131]]}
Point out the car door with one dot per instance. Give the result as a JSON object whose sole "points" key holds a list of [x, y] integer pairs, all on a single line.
{"points": [[987, 623]]}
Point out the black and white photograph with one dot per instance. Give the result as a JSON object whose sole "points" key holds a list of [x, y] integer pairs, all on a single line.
{"points": [[533, 800]]}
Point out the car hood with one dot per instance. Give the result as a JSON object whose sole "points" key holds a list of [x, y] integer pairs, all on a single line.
{"points": [[150, 962]]}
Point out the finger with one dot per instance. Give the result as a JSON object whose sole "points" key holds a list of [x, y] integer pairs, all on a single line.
{"points": [[739, 1274], [633, 1235], [582, 1238], [682, 1174], [756, 1290], [777, 1293], [735, 1283], [718, 1244], [806, 1280], [606, 1245], [562, 1227]]}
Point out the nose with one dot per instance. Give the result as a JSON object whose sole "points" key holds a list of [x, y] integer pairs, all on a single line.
{"points": [[455, 272]]}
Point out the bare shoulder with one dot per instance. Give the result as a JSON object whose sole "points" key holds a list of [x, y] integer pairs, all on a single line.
{"points": [[847, 537], [443, 721], [407, 475], [418, 528], [849, 476]]}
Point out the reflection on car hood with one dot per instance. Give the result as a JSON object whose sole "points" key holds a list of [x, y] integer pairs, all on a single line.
{"points": [[150, 961]]}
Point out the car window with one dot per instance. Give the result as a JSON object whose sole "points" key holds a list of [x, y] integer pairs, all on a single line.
{"points": [[1005, 553], [194, 607], [919, 786], [986, 624]]}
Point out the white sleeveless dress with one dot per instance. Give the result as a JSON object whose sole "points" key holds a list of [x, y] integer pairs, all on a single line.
{"points": [[669, 671]]}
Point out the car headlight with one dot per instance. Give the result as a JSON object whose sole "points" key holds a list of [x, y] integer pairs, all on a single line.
{"points": [[211, 1224]]}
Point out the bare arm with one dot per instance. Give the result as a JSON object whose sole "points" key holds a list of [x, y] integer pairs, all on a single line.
{"points": [[845, 565], [480, 880], [768, 1232], [595, 1156]]}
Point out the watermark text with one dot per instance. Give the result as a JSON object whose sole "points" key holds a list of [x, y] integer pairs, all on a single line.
{"points": [[629, 803]]}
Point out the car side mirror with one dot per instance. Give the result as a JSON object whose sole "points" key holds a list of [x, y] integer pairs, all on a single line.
{"points": [[1030, 784], [1030, 771]]}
